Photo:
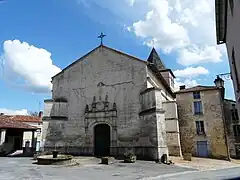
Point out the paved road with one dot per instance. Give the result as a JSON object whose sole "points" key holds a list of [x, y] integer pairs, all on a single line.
{"points": [[23, 169], [224, 174]]}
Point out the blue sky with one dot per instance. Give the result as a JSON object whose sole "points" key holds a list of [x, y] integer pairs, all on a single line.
{"points": [[38, 38]]}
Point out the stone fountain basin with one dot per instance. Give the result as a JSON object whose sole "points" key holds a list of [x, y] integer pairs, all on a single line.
{"points": [[48, 159]]}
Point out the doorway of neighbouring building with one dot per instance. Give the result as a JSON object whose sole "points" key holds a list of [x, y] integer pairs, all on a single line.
{"points": [[15, 138], [202, 149], [237, 148], [101, 140]]}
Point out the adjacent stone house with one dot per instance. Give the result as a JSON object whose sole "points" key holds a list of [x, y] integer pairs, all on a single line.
{"points": [[232, 127], [202, 120], [109, 101]]}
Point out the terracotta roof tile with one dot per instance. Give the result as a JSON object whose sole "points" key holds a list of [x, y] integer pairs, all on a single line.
{"points": [[8, 122], [22, 118], [197, 88]]}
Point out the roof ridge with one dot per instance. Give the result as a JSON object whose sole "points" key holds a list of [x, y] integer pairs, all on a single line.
{"points": [[121, 52]]}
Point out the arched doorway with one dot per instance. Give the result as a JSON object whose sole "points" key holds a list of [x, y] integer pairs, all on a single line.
{"points": [[101, 140]]}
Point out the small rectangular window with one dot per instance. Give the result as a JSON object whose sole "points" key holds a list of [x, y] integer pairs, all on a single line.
{"points": [[236, 130], [198, 107], [237, 146], [200, 127], [172, 82], [196, 95], [234, 113]]}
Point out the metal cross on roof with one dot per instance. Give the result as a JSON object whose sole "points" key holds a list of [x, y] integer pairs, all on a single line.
{"points": [[153, 43], [101, 36]]}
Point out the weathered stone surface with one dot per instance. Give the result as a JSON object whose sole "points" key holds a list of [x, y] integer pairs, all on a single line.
{"points": [[233, 141], [213, 123], [106, 87]]}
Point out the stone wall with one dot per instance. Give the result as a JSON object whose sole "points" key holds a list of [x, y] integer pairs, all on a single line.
{"points": [[229, 127], [153, 127], [166, 102], [172, 128], [213, 123], [106, 87], [102, 76]]}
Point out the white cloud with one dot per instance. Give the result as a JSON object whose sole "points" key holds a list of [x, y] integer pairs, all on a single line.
{"points": [[186, 27], [198, 55], [28, 66], [191, 72], [13, 112], [166, 33], [187, 82]]}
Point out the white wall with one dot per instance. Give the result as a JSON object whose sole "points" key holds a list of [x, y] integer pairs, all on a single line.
{"points": [[27, 136]]}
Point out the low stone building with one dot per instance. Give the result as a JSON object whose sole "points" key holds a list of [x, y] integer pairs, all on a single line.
{"points": [[202, 120], [19, 132], [109, 101], [35, 121]]}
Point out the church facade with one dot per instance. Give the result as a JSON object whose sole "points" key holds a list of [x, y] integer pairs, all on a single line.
{"points": [[107, 102]]}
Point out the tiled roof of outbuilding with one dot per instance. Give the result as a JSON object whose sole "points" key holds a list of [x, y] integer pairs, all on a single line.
{"points": [[9, 122], [197, 88]]}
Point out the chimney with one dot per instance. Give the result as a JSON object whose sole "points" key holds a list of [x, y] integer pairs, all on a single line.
{"points": [[40, 114], [182, 87], [1, 114], [219, 82]]}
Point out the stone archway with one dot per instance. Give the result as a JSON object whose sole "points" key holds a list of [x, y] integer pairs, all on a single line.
{"points": [[102, 139]]}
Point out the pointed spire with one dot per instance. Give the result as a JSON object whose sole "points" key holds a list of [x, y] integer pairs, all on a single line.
{"points": [[155, 59]]}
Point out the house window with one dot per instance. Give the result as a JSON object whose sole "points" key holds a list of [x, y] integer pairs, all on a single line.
{"points": [[198, 107], [237, 147], [236, 130], [196, 95], [231, 2], [234, 113], [200, 127], [172, 82], [235, 69]]}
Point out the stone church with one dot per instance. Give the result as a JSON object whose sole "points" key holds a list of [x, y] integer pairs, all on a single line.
{"points": [[107, 102]]}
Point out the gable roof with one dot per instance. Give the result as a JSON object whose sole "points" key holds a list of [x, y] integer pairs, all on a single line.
{"points": [[101, 46], [9, 122], [21, 118], [153, 57], [197, 88]]}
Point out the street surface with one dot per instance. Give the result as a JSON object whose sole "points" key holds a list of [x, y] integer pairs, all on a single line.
{"points": [[24, 169]]}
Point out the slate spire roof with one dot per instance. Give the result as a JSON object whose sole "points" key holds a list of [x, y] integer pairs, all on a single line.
{"points": [[155, 59]]}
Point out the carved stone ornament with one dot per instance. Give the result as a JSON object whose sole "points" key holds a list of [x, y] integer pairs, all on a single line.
{"points": [[100, 106], [100, 84]]}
